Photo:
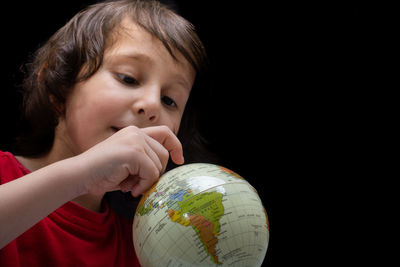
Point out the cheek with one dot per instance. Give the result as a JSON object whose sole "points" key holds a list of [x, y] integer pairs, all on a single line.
{"points": [[87, 121], [93, 105], [177, 124], [172, 122], [178, 117]]}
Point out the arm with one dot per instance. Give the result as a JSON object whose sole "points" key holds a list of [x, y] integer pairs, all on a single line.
{"points": [[132, 160], [27, 200]]}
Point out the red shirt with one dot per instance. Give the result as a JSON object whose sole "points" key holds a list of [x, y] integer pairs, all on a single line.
{"points": [[70, 236]]}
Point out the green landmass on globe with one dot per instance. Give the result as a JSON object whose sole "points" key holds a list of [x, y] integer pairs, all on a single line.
{"points": [[229, 224]]}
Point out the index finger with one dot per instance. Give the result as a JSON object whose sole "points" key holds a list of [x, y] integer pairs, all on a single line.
{"points": [[168, 139]]}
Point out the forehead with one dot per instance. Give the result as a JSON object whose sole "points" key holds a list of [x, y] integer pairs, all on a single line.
{"points": [[129, 30], [131, 37]]}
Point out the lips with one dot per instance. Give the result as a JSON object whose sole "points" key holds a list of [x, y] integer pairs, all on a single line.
{"points": [[115, 129]]}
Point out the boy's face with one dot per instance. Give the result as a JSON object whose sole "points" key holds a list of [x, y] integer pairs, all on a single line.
{"points": [[139, 83]]}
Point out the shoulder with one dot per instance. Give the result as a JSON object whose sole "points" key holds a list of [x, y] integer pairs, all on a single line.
{"points": [[10, 168], [5, 155]]}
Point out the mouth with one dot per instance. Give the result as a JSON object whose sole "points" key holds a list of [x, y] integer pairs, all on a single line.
{"points": [[115, 129]]}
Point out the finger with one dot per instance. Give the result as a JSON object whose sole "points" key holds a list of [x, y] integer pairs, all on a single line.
{"points": [[127, 184], [141, 187], [169, 140], [157, 153], [147, 175]]}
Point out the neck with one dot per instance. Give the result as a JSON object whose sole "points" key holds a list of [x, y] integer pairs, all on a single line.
{"points": [[59, 151]]}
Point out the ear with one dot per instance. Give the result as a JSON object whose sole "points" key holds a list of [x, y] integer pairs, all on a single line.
{"points": [[40, 73], [58, 107]]}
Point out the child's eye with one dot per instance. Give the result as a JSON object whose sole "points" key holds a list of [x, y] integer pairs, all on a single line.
{"points": [[168, 101], [127, 79]]}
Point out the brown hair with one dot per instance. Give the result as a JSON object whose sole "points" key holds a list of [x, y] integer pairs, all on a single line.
{"points": [[75, 52]]}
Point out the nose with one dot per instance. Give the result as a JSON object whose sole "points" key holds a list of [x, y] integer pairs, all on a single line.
{"points": [[147, 106]]}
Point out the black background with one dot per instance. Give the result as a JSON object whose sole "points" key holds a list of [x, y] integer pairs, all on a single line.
{"points": [[282, 82]]}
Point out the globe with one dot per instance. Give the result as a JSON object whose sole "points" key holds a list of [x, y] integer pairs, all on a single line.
{"points": [[201, 215]]}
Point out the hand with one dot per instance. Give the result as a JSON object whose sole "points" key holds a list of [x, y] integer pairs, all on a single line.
{"points": [[132, 159]]}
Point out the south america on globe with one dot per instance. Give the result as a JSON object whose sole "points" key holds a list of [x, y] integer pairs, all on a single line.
{"points": [[201, 215]]}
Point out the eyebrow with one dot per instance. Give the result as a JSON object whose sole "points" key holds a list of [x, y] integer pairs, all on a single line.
{"points": [[136, 56], [185, 84]]}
